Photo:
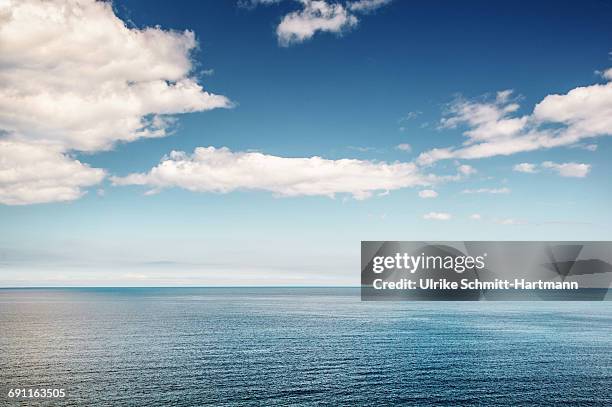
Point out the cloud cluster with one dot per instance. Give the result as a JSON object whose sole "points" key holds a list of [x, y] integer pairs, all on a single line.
{"points": [[571, 169], [75, 78], [220, 170], [493, 128], [321, 15]]}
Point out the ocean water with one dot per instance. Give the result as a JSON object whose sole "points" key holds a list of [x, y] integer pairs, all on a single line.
{"points": [[306, 346]]}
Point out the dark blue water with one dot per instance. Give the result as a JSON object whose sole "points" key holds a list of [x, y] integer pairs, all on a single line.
{"points": [[192, 347]]}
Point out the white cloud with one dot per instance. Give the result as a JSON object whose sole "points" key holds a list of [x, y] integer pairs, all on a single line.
{"points": [[437, 216], [586, 111], [404, 147], [475, 216], [576, 170], [32, 173], [493, 128], [487, 191], [320, 15], [433, 155], [607, 74], [525, 167], [363, 149], [571, 169], [510, 221], [220, 170], [466, 169], [428, 193], [74, 75], [316, 15], [366, 6]]}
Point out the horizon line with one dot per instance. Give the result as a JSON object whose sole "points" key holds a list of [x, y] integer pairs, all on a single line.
{"points": [[187, 286]]}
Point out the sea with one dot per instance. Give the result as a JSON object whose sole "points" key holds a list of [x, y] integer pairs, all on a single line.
{"points": [[298, 346]]}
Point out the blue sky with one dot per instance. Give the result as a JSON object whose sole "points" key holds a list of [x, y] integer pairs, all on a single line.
{"points": [[355, 91]]}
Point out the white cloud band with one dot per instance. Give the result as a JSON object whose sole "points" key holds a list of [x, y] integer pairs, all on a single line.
{"points": [[211, 169]]}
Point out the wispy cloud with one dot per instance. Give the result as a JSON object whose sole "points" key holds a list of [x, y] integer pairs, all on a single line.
{"points": [[487, 191], [571, 169], [404, 147], [437, 216], [410, 116], [526, 168], [587, 147], [607, 74], [255, 3], [510, 221], [428, 194], [494, 128], [367, 6], [466, 169], [363, 149]]}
